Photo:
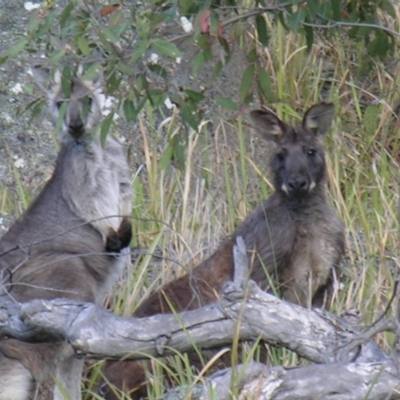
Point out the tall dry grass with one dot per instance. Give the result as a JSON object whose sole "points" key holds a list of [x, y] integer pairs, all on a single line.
{"points": [[180, 216]]}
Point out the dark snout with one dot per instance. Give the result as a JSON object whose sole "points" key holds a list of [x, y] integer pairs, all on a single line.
{"points": [[297, 183], [75, 120], [76, 129]]}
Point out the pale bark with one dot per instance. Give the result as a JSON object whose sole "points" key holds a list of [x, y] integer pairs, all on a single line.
{"points": [[338, 381], [344, 353]]}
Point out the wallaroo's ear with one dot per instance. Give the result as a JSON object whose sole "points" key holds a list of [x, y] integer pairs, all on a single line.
{"points": [[318, 119], [98, 80], [94, 78], [45, 78], [268, 124], [42, 77]]}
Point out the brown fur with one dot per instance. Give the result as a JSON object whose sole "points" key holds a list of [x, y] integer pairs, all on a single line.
{"points": [[58, 247], [294, 238]]}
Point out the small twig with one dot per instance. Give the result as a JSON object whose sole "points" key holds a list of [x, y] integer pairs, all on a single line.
{"points": [[334, 24], [387, 324], [392, 297], [240, 17]]}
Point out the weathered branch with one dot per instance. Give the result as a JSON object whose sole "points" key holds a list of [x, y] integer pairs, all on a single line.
{"points": [[313, 334], [337, 381]]}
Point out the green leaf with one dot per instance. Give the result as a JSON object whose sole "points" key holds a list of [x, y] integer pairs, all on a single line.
{"points": [[176, 98], [264, 84], [216, 72], [141, 82], [140, 49], [166, 156], [3, 59], [92, 71], [116, 18], [371, 118], [196, 96], [226, 103], [252, 55], [61, 114], [14, 50], [248, 99], [179, 154], [125, 68], [185, 6], [246, 82], [158, 69], [66, 13], [156, 97], [197, 61], [113, 33], [381, 45], [32, 27], [112, 83], [309, 34], [56, 56], [336, 9], [313, 7], [165, 48], [388, 7], [262, 32], [36, 107], [66, 77], [110, 34], [129, 110], [47, 25], [105, 127], [83, 45], [188, 118], [225, 45], [296, 19], [214, 23]]}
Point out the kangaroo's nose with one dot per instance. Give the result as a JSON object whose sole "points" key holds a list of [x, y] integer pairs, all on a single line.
{"points": [[76, 128], [297, 183]]}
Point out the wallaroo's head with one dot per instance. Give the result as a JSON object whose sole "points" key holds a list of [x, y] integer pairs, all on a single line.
{"points": [[74, 102], [298, 164]]}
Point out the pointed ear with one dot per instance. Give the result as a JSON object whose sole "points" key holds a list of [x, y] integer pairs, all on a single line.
{"points": [[268, 124], [94, 78], [318, 119], [42, 77], [98, 80], [45, 78]]}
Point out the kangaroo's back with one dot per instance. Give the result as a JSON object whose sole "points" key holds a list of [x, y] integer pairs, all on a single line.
{"points": [[294, 238], [71, 242]]}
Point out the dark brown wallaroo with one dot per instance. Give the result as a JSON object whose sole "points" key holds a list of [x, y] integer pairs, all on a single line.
{"points": [[72, 242], [294, 237]]}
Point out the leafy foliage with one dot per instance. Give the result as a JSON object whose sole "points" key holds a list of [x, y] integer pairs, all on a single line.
{"points": [[132, 44]]}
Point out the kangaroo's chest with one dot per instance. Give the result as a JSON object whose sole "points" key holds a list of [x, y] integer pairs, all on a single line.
{"points": [[314, 251], [313, 256]]}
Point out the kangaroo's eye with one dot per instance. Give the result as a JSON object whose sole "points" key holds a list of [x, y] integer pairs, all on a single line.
{"points": [[311, 152], [87, 103], [280, 157]]}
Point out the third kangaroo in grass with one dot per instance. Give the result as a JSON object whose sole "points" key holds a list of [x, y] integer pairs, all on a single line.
{"points": [[294, 238], [72, 242]]}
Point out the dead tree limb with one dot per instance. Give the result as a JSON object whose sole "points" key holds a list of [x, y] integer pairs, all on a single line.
{"points": [[313, 334], [245, 310], [339, 381]]}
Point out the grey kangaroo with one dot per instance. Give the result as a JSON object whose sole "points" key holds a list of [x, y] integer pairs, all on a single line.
{"points": [[294, 238], [72, 242]]}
